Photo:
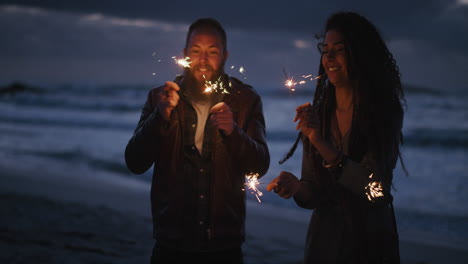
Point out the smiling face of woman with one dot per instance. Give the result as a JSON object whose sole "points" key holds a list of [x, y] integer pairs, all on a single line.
{"points": [[334, 59]]}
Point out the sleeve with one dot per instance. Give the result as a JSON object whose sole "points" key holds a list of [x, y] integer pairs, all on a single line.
{"points": [[370, 179], [312, 193], [249, 145], [141, 150]]}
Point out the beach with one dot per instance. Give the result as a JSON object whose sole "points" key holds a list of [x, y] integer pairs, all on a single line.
{"points": [[86, 216], [67, 196]]}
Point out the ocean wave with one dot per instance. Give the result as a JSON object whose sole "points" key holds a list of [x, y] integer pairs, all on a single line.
{"points": [[437, 137], [71, 123], [442, 229], [420, 137], [76, 156]]}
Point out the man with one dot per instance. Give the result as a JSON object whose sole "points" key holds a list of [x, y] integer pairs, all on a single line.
{"points": [[202, 145]]}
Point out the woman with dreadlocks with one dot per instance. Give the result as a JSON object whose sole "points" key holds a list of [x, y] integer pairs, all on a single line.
{"points": [[351, 136]]}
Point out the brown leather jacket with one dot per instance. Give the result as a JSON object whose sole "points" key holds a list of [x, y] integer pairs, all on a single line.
{"points": [[159, 142]]}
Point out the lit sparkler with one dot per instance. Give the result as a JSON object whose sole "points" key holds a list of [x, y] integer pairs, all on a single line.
{"points": [[215, 86], [373, 189], [210, 86], [183, 62], [291, 84], [252, 182]]}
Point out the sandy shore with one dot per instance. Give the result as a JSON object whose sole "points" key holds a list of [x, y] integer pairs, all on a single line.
{"points": [[94, 217]]}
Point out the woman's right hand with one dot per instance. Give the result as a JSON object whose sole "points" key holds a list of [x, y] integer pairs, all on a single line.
{"points": [[309, 122], [285, 185]]}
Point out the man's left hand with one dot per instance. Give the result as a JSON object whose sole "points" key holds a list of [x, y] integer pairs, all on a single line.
{"points": [[221, 117]]}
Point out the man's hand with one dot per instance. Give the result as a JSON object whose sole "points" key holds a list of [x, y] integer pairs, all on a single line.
{"points": [[285, 185], [221, 117], [168, 99]]}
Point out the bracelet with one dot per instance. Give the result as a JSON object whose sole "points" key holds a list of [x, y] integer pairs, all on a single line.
{"points": [[337, 162]]}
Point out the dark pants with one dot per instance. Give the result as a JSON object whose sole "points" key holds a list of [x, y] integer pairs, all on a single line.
{"points": [[164, 255]]}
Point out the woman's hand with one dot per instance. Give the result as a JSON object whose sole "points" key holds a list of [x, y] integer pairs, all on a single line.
{"points": [[285, 185], [309, 122]]}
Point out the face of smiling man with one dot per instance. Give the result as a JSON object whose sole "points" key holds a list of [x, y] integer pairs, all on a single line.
{"points": [[207, 54]]}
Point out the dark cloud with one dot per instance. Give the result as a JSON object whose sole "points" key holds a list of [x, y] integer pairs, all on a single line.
{"points": [[114, 40], [429, 20]]}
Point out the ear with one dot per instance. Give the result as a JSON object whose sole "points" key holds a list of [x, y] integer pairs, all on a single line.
{"points": [[226, 55]]}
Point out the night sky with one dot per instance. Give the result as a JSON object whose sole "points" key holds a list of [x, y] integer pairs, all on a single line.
{"points": [[113, 42]]}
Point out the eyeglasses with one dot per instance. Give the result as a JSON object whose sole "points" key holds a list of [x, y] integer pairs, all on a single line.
{"points": [[335, 51]]}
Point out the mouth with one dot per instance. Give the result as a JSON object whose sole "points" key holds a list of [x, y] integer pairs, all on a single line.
{"points": [[333, 68]]}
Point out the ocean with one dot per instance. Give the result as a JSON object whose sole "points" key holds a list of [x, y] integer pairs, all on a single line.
{"points": [[83, 128]]}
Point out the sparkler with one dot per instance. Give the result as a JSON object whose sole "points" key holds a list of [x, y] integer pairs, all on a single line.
{"points": [[373, 189], [291, 84], [215, 86], [252, 182], [241, 70], [183, 62], [210, 86], [218, 85]]}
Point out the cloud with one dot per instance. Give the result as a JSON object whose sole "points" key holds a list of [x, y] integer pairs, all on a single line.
{"points": [[54, 47], [302, 44], [98, 18], [424, 64], [49, 45], [15, 9], [431, 21]]}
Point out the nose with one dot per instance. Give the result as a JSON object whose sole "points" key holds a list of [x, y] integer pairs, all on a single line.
{"points": [[331, 54], [203, 56]]}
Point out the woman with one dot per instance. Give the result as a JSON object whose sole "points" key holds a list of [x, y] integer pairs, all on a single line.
{"points": [[351, 136]]}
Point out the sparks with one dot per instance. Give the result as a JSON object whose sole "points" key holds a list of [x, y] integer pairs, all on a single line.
{"points": [[291, 84], [252, 182], [183, 62], [373, 189], [241, 70], [216, 86]]}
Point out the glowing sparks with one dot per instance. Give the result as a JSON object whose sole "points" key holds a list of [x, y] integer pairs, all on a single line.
{"points": [[374, 189], [216, 86], [241, 70], [291, 84], [252, 182], [210, 85], [183, 62]]}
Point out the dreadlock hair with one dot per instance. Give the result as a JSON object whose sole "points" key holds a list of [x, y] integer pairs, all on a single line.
{"points": [[378, 96]]}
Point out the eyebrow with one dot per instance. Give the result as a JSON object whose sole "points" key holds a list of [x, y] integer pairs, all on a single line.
{"points": [[336, 43], [212, 46]]}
